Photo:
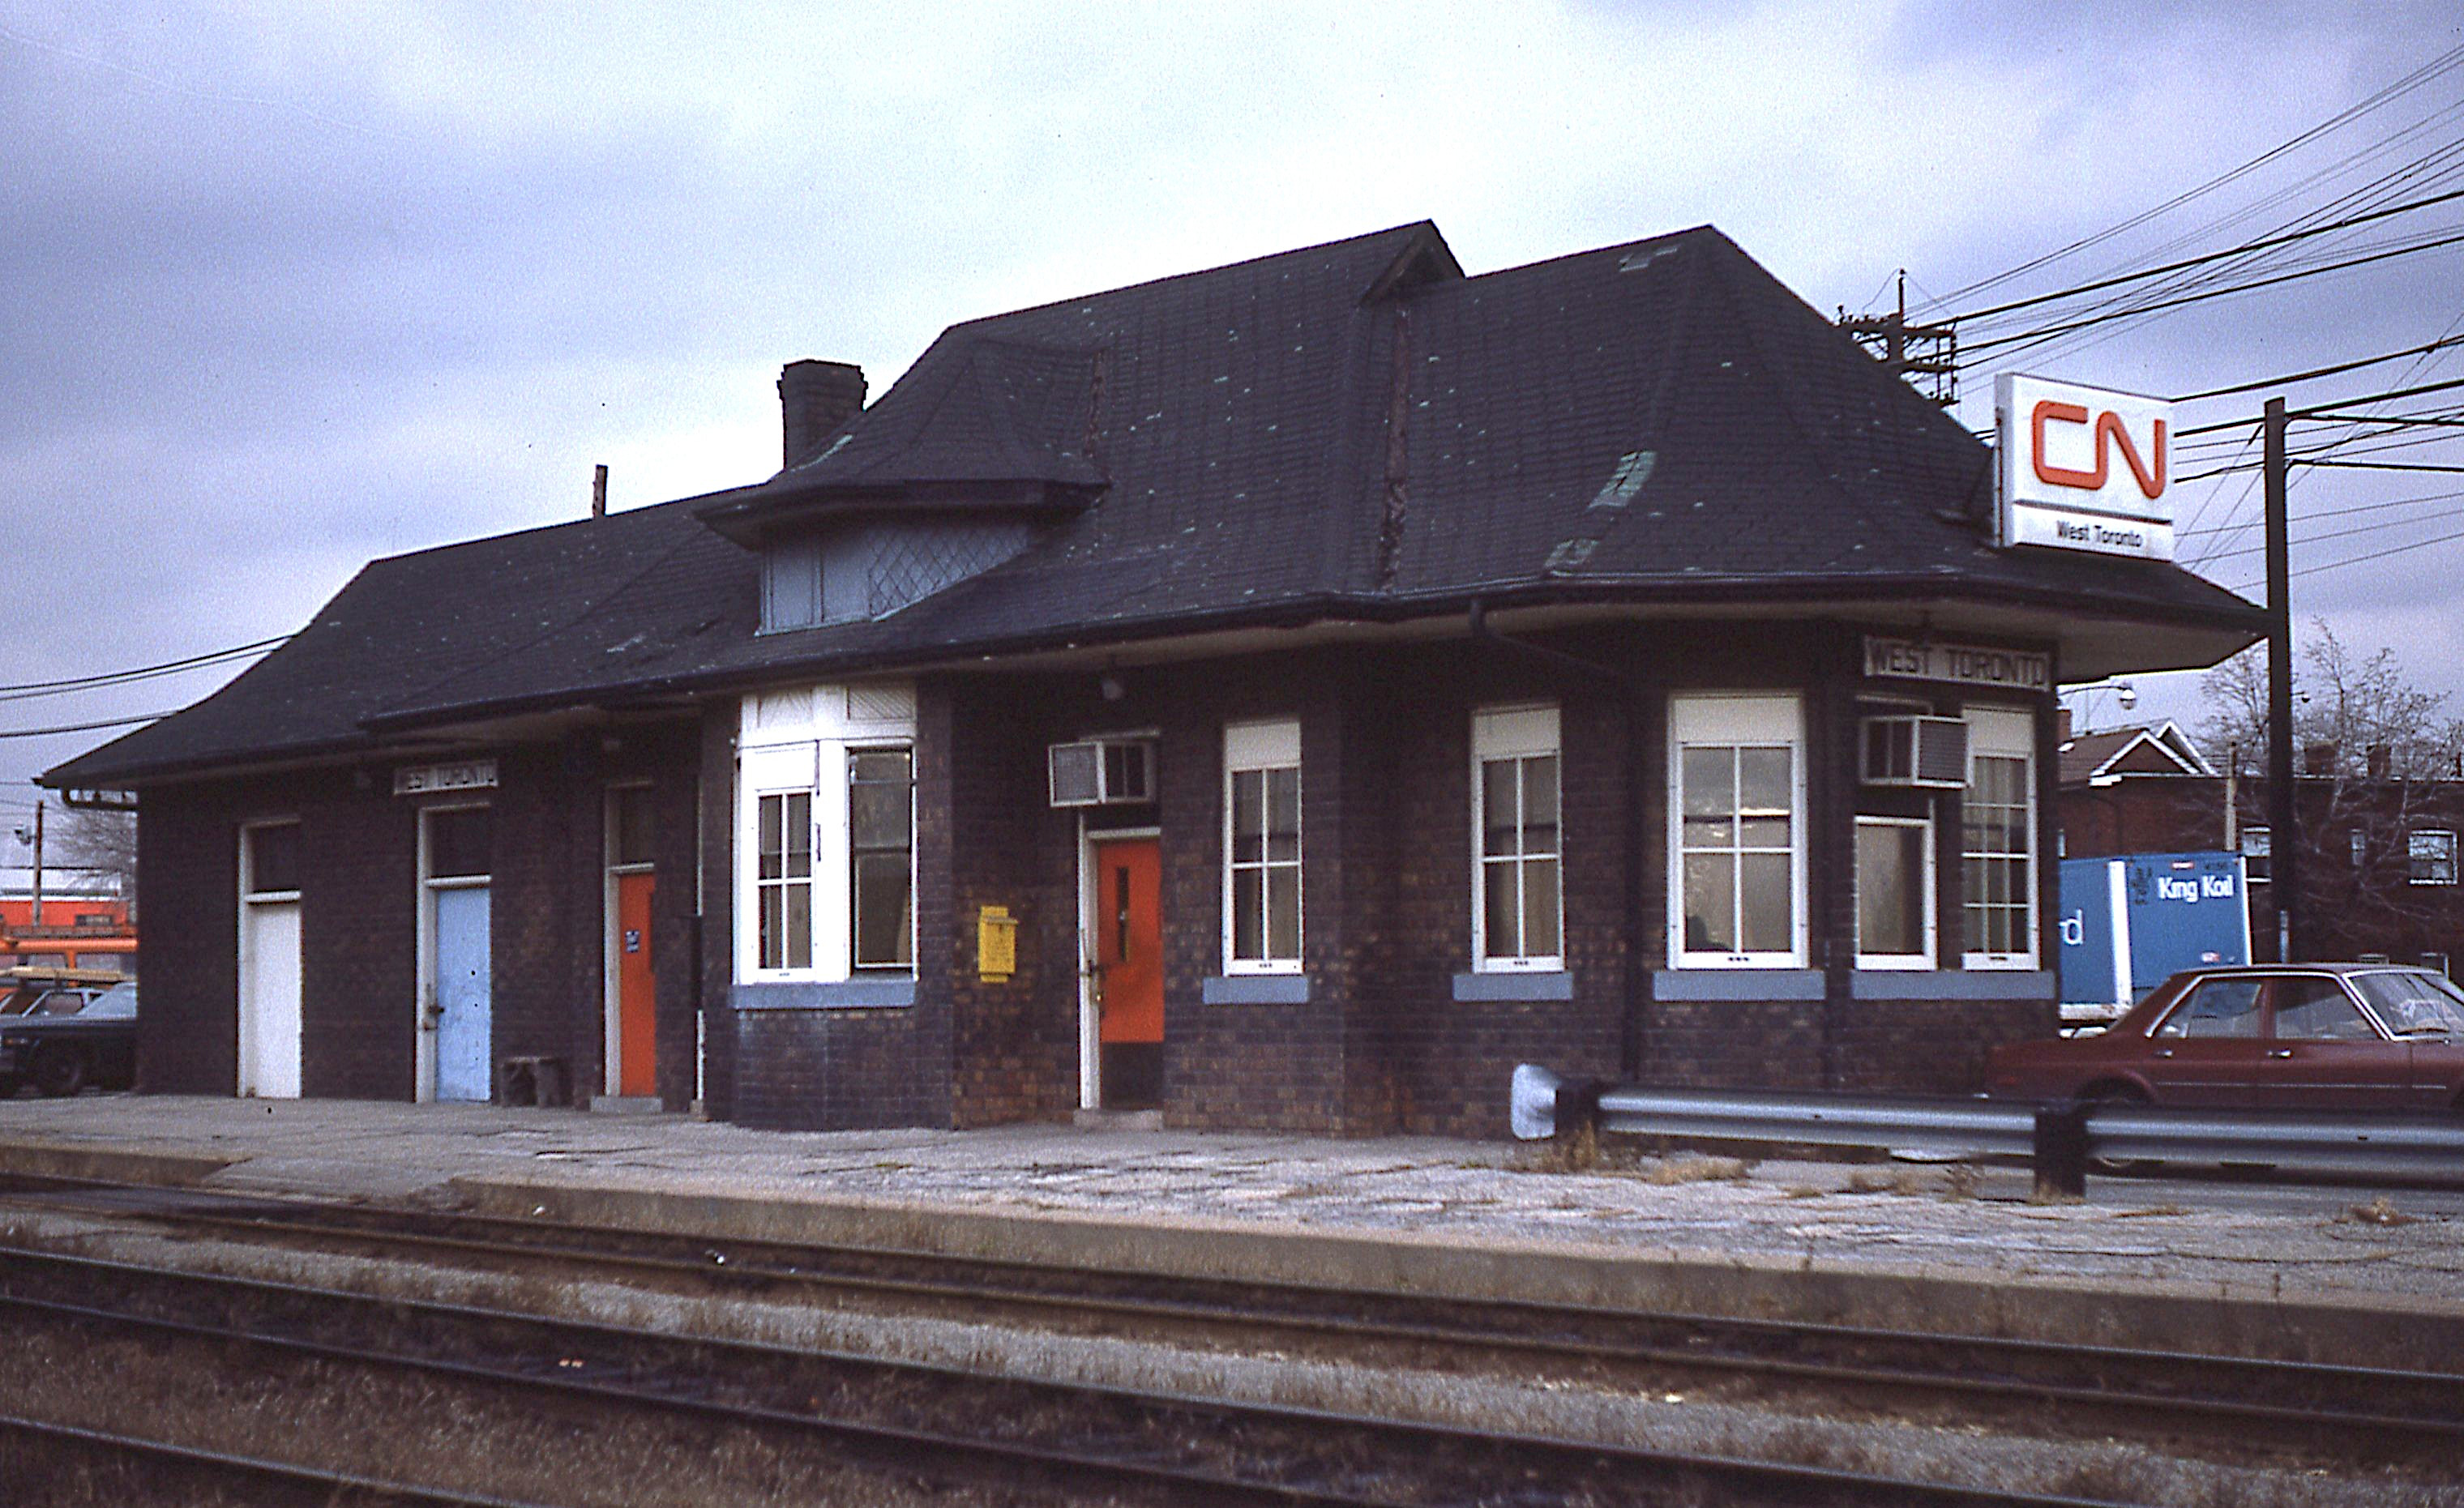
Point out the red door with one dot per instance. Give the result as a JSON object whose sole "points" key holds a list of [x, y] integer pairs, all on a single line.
{"points": [[1128, 961], [637, 1060]]}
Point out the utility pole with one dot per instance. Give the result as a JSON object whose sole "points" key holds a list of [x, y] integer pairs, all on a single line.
{"points": [[35, 918], [1897, 345], [2283, 840]]}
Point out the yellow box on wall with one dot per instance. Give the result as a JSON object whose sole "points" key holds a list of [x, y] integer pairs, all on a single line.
{"points": [[996, 944]]}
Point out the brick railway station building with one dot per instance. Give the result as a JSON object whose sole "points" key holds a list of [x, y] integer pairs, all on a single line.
{"points": [[1285, 696]]}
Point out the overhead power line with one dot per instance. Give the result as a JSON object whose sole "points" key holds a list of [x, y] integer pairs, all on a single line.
{"points": [[2243, 250], [2202, 294], [2436, 66], [87, 682], [2375, 555], [80, 727], [2324, 410], [2316, 372]]}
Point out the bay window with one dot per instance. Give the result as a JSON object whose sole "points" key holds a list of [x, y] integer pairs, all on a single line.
{"points": [[826, 834]]}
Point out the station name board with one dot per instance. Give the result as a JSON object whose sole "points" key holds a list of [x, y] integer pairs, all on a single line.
{"points": [[1961, 665], [428, 780], [2083, 469]]}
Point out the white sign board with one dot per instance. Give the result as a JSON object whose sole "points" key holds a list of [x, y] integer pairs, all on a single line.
{"points": [[2083, 469], [427, 780]]}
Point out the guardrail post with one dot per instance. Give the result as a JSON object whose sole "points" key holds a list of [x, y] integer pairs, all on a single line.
{"points": [[1578, 1106], [2061, 1151]]}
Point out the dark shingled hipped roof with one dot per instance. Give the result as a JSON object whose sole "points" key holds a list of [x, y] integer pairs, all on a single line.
{"points": [[1349, 430]]}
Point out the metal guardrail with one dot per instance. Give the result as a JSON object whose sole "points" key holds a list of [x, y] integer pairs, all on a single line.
{"points": [[2060, 1139]]}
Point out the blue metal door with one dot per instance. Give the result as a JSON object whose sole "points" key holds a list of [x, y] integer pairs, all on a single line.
{"points": [[462, 1025]]}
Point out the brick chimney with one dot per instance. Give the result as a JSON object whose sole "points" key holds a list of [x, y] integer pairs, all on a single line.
{"points": [[2381, 759], [2318, 758], [2062, 725], [814, 398]]}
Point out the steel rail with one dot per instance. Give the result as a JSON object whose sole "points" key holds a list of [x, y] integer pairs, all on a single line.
{"points": [[1759, 1481], [1525, 1328], [257, 1467]]}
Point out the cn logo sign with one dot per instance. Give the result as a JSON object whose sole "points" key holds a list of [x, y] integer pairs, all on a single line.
{"points": [[2111, 434], [2083, 469]]}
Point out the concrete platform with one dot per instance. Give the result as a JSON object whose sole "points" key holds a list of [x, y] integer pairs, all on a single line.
{"points": [[2316, 1270]]}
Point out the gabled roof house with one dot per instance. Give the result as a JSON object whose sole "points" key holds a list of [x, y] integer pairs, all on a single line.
{"points": [[1284, 696]]}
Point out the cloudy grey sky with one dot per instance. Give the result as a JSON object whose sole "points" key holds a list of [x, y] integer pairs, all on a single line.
{"points": [[291, 286]]}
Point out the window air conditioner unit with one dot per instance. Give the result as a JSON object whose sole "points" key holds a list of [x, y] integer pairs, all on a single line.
{"points": [[1103, 772], [1926, 754]]}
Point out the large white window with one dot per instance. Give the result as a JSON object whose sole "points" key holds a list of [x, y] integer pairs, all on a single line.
{"points": [[1895, 926], [1998, 841], [1736, 898], [825, 833], [1262, 847], [1518, 890]]}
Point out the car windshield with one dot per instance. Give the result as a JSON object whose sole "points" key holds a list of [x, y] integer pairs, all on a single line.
{"points": [[117, 1003], [2413, 1003]]}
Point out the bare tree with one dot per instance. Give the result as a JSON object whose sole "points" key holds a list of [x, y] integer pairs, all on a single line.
{"points": [[85, 837], [2378, 795]]}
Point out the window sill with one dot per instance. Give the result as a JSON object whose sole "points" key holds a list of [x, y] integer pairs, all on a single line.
{"points": [[824, 994], [1255, 988], [1736, 984], [1539, 984]]}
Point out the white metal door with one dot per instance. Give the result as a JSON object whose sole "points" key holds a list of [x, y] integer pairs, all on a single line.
{"points": [[268, 1032]]}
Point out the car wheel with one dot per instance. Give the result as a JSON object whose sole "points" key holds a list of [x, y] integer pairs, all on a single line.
{"points": [[2119, 1094], [59, 1072]]}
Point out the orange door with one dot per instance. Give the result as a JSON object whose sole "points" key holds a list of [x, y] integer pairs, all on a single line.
{"points": [[1129, 941], [637, 1061]]}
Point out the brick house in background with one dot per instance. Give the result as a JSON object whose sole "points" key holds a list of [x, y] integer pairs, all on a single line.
{"points": [[1281, 696], [2380, 872]]}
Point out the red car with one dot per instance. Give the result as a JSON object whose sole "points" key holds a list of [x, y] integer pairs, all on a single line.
{"points": [[2310, 1037]]}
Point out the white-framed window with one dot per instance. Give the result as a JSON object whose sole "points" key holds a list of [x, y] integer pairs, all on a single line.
{"points": [[783, 881], [1262, 847], [1518, 884], [1998, 846], [1736, 832], [825, 801], [2431, 852], [1895, 906]]}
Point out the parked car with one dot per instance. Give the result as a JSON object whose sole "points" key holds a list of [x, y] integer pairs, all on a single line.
{"points": [[68, 1040], [2311, 1037], [25, 987]]}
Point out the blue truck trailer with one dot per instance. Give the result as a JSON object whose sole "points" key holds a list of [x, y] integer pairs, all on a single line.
{"points": [[2128, 921]]}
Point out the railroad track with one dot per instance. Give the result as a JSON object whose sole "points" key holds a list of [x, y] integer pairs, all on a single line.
{"points": [[2294, 1413], [951, 1423], [137, 1469]]}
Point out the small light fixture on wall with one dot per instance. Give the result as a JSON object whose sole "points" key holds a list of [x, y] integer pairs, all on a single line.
{"points": [[1110, 684]]}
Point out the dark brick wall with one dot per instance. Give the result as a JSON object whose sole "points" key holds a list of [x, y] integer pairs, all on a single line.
{"points": [[1931, 1046], [359, 938], [990, 829], [359, 915], [188, 887]]}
